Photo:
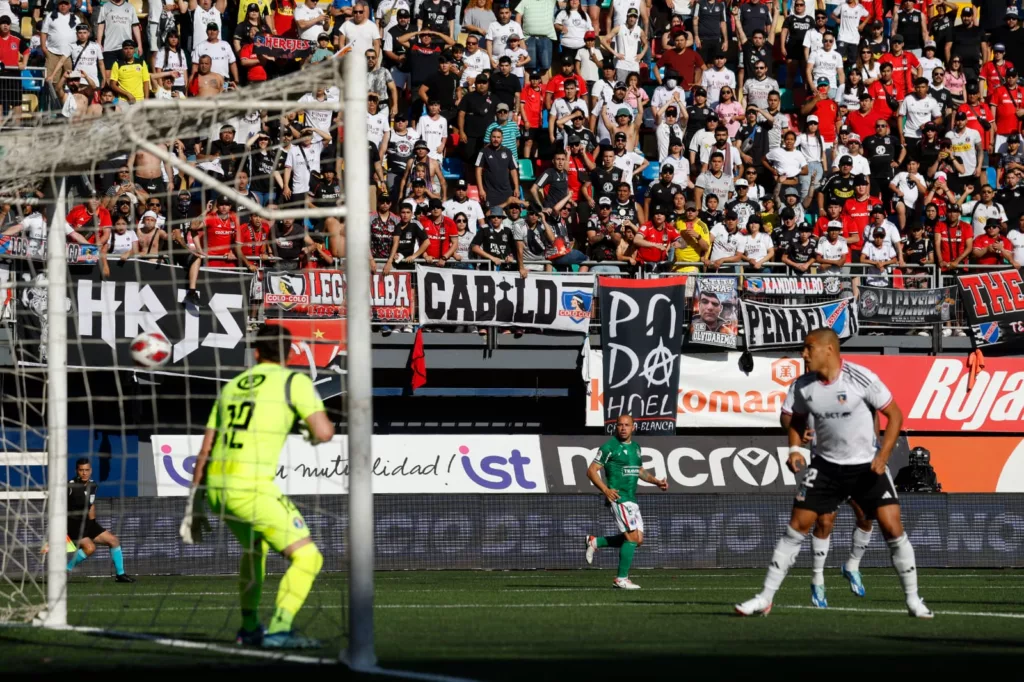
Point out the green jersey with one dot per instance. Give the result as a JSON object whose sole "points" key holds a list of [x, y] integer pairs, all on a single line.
{"points": [[622, 463], [253, 416]]}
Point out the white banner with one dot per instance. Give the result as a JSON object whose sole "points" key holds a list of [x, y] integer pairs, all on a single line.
{"points": [[401, 464], [767, 325], [714, 392], [504, 299]]}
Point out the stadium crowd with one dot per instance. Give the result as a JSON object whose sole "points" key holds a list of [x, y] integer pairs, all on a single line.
{"points": [[632, 135]]}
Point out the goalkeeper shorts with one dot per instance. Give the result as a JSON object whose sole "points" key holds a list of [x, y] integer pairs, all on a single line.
{"points": [[261, 513]]}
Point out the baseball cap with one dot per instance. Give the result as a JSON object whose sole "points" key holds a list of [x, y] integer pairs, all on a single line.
{"points": [[659, 209], [421, 144], [323, 36], [805, 226], [1011, 11], [253, 7], [223, 201], [967, 11], [992, 222], [854, 137], [823, 81], [1013, 137], [590, 35], [879, 232], [787, 213], [878, 209], [147, 214], [402, 13], [496, 211], [812, 119], [419, 182], [633, 10], [929, 43], [604, 201], [835, 225], [700, 92], [435, 204], [666, 170], [620, 136], [844, 130], [897, 38], [846, 160], [383, 197], [619, 85], [1010, 72], [574, 140], [212, 27], [961, 115], [791, 192], [941, 175], [973, 87], [691, 204], [82, 27], [861, 180], [502, 107], [740, 182], [999, 47], [461, 184]]}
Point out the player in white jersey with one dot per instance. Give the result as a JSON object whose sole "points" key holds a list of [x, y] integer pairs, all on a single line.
{"points": [[841, 396]]}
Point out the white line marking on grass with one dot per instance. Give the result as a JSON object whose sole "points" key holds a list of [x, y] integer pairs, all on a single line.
{"points": [[853, 609]]}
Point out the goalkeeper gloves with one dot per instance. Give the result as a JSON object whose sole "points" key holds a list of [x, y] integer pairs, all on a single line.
{"points": [[195, 523]]}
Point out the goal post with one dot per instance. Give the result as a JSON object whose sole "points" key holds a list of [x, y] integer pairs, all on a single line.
{"points": [[80, 149]]}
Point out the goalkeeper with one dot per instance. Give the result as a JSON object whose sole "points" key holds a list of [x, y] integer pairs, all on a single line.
{"points": [[236, 467]]}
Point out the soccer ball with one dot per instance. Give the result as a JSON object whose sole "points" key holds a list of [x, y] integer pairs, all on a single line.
{"points": [[151, 350]]}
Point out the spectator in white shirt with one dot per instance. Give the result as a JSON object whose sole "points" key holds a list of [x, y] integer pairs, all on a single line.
{"points": [[852, 17], [56, 38], [916, 110], [908, 186], [831, 251], [310, 20], [786, 163], [360, 33], [826, 63], [879, 255], [756, 248]]}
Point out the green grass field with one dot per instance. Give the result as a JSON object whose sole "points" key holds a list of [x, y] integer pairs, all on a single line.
{"points": [[556, 625]]}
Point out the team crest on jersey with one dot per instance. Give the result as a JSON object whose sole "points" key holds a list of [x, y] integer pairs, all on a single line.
{"points": [[841, 398]]}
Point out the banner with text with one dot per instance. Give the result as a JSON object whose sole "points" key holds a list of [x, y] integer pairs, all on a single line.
{"points": [[105, 314], [504, 299], [994, 303], [641, 332], [768, 325], [401, 464], [35, 249], [807, 285], [905, 307], [322, 293], [281, 48], [714, 321], [713, 392]]}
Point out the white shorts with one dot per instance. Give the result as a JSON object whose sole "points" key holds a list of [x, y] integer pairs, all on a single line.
{"points": [[153, 35], [627, 516]]}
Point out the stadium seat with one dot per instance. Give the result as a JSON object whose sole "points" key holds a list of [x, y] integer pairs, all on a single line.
{"points": [[651, 172], [452, 168], [26, 26], [31, 81], [992, 176], [544, 119], [30, 102], [639, 192], [526, 171], [788, 105]]}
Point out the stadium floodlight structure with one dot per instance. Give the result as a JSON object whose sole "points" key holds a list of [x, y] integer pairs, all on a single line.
{"points": [[52, 155]]}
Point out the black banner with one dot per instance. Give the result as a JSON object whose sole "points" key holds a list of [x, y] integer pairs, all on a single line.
{"points": [[284, 48], [641, 334], [994, 303], [695, 464], [907, 307], [522, 532], [767, 325], [104, 315]]}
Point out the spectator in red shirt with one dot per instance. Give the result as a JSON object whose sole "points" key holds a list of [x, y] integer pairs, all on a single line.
{"points": [[556, 86], [885, 93], [13, 55], [994, 72], [684, 61], [1007, 101], [953, 239], [993, 248], [655, 237], [442, 233], [531, 103], [91, 216], [858, 207], [250, 243], [214, 236], [834, 213], [826, 109], [905, 66], [863, 120], [254, 66]]}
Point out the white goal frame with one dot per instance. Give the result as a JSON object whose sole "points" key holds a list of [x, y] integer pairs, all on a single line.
{"points": [[360, 653]]}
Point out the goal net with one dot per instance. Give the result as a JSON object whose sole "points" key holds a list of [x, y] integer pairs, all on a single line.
{"points": [[201, 219]]}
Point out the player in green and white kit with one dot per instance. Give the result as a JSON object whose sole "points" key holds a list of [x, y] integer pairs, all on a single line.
{"points": [[623, 466]]}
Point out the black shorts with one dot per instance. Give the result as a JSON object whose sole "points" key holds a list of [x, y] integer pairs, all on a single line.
{"points": [[79, 528], [828, 485], [155, 187]]}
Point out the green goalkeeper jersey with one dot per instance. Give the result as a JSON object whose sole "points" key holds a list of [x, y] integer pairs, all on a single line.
{"points": [[253, 416], [622, 463]]}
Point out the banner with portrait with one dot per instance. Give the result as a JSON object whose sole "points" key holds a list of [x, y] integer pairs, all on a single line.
{"points": [[715, 312]]}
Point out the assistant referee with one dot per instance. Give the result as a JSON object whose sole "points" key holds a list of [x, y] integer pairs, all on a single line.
{"points": [[246, 430]]}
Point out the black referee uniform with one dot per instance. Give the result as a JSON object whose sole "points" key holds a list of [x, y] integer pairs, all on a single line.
{"points": [[81, 497]]}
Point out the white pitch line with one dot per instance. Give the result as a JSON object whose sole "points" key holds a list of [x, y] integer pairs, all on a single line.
{"points": [[853, 609], [524, 590]]}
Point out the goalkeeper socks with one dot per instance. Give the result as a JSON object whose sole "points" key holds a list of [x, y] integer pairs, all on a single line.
{"points": [[858, 546], [820, 548], [118, 559], [611, 541], [78, 558], [295, 586], [251, 575], [905, 565], [782, 559], [626, 553]]}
